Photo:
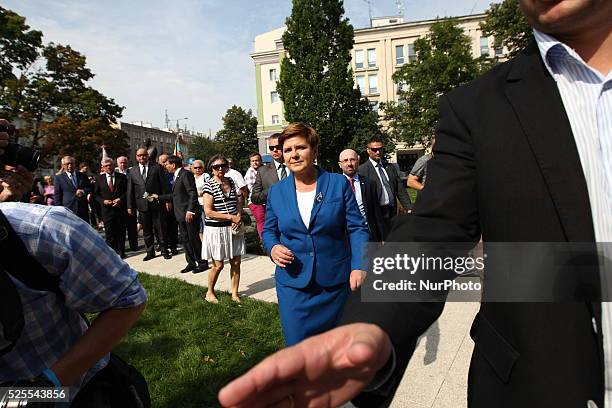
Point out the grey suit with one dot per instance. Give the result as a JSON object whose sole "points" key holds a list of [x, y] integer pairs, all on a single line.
{"points": [[266, 176]]}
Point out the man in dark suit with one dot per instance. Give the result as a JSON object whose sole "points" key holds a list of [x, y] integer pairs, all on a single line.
{"points": [[131, 222], [170, 226], [71, 188], [388, 182], [539, 126], [366, 193], [184, 198], [110, 192], [269, 174], [144, 180]]}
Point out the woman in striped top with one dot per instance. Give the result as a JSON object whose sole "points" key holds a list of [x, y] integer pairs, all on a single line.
{"points": [[223, 209]]}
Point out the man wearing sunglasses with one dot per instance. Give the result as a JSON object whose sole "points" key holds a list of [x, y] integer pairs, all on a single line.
{"points": [[388, 181], [270, 173]]}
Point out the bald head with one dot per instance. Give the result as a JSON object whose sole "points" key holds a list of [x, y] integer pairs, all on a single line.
{"points": [[348, 162]]}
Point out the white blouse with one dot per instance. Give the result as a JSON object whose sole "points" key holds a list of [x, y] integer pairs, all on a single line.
{"points": [[305, 202]]}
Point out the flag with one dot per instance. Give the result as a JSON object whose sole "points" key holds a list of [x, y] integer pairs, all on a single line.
{"points": [[177, 146], [104, 154]]}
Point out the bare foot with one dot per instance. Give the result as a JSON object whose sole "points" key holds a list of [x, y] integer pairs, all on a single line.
{"points": [[211, 298], [236, 299]]}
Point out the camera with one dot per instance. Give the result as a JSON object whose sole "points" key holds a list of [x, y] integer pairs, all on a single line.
{"points": [[15, 154]]}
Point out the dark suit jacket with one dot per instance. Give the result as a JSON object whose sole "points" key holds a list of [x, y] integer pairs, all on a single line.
{"points": [[370, 198], [506, 166], [64, 192], [184, 195], [266, 176], [368, 171], [156, 184], [102, 192]]}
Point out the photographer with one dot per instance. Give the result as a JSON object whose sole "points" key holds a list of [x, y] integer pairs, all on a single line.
{"points": [[56, 347]]}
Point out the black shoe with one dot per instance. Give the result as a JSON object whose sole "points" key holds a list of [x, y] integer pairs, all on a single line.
{"points": [[122, 255], [188, 268], [174, 251], [201, 267], [158, 248], [134, 248], [167, 255], [148, 257]]}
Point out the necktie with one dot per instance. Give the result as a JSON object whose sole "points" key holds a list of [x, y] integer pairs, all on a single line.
{"points": [[144, 172], [72, 179], [352, 183], [386, 184], [110, 183], [283, 172]]}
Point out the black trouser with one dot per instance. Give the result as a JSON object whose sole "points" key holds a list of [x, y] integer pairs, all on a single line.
{"points": [[172, 229], [388, 212], [190, 237], [114, 229], [132, 230], [153, 223]]}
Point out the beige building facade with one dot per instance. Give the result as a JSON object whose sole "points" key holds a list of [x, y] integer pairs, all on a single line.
{"points": [[378, 51]]}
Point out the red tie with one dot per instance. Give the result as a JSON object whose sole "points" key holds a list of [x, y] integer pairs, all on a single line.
{"points": [[110, 183], [352, 183]]}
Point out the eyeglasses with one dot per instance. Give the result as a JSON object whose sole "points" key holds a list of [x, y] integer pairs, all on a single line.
{"points": [[197, 167], [273, 148], [219, 166], [376, 149]]}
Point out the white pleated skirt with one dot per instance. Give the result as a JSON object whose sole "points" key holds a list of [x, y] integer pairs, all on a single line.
{"points": [[219, 243]]}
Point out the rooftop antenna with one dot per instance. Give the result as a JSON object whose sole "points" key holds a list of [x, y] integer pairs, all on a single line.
{"points": [[400, 7], [369, 3], [473, 7]]}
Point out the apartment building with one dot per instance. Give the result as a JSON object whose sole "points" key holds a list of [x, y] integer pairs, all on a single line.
{"points": [[378, 51]]}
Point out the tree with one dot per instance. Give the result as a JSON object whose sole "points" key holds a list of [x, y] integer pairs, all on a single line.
{"points": [[506, 23], [54, 95], [204, 148], [316, 82], [238, 138], [444, 61], [19, 46]]}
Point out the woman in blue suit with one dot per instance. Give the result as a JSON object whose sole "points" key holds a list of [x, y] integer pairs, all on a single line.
{"points": [[315, 235]]}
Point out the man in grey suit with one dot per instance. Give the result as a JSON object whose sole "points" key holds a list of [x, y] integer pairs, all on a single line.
{"points": [[270, 173]]}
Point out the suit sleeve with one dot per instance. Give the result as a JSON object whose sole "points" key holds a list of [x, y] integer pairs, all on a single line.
{"points": [[402, 194], [130, 191], [57, 191], [356, 229], [123, 195], [190, 186], [97, 194], [258, 195], [447, 211], [271, 233]]}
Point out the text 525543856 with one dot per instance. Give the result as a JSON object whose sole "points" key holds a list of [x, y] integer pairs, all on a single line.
{"points": [[12, 395]]}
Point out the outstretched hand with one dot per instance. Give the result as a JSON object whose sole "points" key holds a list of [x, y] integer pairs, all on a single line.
{"points": [[326, 370]]}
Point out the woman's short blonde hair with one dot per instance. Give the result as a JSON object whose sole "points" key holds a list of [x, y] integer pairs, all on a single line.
{"points": [[302, 130]]}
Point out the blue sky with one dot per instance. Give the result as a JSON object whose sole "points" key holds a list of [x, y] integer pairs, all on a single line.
{"points": [[190, 57]]}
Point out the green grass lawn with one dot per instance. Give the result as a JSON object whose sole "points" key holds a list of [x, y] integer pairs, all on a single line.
{"points": [[188, 349]]}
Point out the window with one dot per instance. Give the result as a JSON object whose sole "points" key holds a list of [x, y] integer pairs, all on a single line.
{"points": [[273, 96], [273, 75], [358, 59], [374, 106], [361, 83], [411, 54], [484, 46], [371, 57], [399, 54], [275, 120], [373, 82], [499, 51]]}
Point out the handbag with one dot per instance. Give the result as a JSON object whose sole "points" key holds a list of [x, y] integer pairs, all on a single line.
{"points": [[240, 229]]}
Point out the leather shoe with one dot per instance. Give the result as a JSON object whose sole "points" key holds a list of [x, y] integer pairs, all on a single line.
{"points": [[174, 251], [167, 255], [201, 267], [148, 257], [122, 255], [188, 268]]}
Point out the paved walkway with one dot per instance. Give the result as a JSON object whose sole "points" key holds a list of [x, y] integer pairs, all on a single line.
{"points": [[437, 374]]}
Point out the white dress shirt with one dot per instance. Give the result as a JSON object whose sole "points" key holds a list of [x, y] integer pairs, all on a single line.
{"points": [[385, 196]]}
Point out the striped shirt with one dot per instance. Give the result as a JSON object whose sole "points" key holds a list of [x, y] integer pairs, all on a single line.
{"points": [[587, 97], [226, 203], [92, 278]]}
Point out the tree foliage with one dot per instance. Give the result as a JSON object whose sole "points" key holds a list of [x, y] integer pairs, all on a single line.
{"points": [[444, 61], [203, 148], [238, 138], [507, 24], [46, 87], [316, 82]]}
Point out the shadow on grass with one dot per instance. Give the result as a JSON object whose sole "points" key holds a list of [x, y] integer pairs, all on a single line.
{"points": [[188, 349]]}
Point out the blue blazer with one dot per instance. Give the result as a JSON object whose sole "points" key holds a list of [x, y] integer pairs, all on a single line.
{"points": [[64, 193], [331, 247]]}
